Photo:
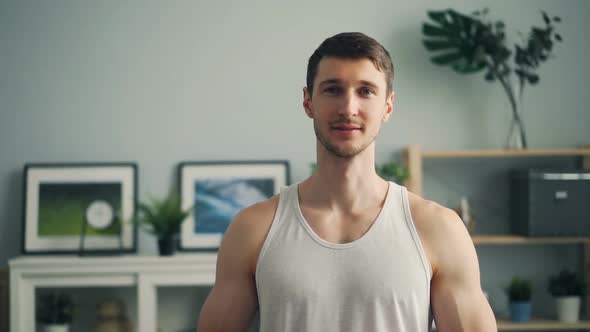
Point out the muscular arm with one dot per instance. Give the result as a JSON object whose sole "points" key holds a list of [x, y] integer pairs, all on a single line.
{"points": [[232, 303], [458, 302]]}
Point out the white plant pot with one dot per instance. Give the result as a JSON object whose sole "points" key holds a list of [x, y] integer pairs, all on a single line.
{"points": [[568, 308], [55, 328]]}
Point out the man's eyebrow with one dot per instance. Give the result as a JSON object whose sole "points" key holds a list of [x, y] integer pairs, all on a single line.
{"points": [[370, 84], [338, 81], [330, 81]]}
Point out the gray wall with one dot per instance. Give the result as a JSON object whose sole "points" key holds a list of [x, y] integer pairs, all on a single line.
{"points": [[160, 82]]}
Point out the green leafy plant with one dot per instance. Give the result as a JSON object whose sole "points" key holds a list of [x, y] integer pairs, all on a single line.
{"points": [[162, 218], [472, 43], [566, 283], [394, 172], [54, 309], [519, 290]]}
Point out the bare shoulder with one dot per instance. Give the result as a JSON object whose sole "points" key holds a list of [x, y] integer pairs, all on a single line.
{"points": [[247, 232], [458, 303], [234, 292], [431, 217], [441, 231], [255, 220]]}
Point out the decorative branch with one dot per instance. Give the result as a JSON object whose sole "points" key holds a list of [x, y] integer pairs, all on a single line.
{"points": [[472, 43]]}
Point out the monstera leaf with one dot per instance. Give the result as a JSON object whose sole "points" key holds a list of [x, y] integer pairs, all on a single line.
{"points": [[456, 40], [471, 43]]}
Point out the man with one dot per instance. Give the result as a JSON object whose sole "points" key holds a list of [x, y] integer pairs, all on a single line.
{"points": [[345, 250]]}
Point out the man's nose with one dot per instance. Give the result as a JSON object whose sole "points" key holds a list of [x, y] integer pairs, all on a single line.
{"points": [[349, 105]]}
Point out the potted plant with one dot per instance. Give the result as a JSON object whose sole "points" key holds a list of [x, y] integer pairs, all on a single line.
{"points": [[393, 171], [567, 288], [54, 312], [519, 294], [163, 219], [472, 43]]}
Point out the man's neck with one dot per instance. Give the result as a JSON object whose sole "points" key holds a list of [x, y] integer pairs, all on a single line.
{"points": [[347, 185]]}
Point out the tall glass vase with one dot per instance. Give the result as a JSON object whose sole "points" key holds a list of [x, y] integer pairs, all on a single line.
{"points": [[516, 135]]}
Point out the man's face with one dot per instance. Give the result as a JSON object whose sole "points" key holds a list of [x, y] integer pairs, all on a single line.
{"points": [[348, 105]]}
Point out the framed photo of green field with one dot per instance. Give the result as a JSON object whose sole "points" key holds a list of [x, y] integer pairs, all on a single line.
{"points": [[67, 203]]}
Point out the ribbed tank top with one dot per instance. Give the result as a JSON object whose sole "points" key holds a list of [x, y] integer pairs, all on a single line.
{"points": [[379, 282]]}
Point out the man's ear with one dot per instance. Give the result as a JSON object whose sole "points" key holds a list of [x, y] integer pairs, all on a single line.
{"points": [[307, 103], [388, 106]]}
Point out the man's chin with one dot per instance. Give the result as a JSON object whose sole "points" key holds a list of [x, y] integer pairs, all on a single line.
{"points": [[344, 152], [342, 149]]}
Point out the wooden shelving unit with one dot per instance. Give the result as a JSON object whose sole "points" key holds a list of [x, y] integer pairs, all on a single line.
{"points": [[541, 324], [413, 157], [514, 239], [505, 153]]}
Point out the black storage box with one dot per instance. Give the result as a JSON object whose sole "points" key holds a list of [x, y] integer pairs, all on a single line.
{"points": [[550, 203]]}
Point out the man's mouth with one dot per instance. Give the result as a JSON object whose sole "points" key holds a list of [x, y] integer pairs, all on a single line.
{"points": [[346, 127]]}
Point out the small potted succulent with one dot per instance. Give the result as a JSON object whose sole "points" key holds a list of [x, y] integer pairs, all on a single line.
{"points": [[519, 294], [567, 288], [54, 312], [163, 219]]}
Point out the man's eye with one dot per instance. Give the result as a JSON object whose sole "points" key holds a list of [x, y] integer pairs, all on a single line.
{"points": [[366, 92], [332, 90]]}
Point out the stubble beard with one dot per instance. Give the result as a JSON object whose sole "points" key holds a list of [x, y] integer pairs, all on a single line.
{"points": [[345, 153]]}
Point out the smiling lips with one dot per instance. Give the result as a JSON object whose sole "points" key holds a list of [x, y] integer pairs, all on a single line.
{"points": [[346, 128]]}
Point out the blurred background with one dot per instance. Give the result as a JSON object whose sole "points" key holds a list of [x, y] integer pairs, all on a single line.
{"points": [[158, 83]]}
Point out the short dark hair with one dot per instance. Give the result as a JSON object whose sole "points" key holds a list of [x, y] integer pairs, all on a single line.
{"points": [[351, 45]]}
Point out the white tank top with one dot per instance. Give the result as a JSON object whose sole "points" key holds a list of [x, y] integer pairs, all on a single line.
{"points": [[379, 282]]}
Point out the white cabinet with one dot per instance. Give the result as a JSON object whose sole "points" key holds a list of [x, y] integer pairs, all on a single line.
{"points": [[143, 273]]}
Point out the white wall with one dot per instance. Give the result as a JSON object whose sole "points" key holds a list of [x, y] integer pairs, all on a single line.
{"points": [[160, 82]]}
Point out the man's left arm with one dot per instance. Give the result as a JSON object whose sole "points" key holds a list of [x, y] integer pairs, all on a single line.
{"points": [[458, 302]]}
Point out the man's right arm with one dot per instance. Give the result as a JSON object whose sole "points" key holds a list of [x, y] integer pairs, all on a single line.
{"points": [[233, 301]]}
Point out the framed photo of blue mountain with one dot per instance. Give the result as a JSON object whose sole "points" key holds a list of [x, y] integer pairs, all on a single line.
{"points": [[79, 206], [218, 190]]}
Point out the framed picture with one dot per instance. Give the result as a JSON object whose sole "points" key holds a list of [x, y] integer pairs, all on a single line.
{"points": [[69, 208], [218, 190]]}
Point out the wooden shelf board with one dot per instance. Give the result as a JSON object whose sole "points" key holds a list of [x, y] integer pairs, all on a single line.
{"points": [[505, 153], [513, 239], [541, 324]]}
